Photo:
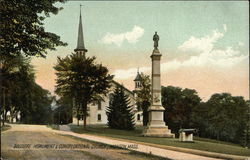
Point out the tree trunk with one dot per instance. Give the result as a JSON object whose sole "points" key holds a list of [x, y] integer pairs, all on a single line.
{"points": [[17, 117], [218, 136], [77, 119], [3, 105], [84, 109], [3, 116], [11, 116], [85, 121], [77, 115], [145, 117]]}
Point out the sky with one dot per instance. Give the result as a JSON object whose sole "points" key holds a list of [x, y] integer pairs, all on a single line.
{"points": [[204, 45]]}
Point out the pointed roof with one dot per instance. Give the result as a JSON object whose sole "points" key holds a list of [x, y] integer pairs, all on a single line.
{"points": [[138, 76], [80, 41]]}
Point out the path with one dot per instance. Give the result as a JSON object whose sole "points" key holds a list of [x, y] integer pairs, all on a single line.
{"points": [[141, 148], [38, 142], [144, 148], [64, 128]]}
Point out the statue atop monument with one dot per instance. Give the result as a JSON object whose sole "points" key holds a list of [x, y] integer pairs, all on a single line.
{"points": [[156, 38]]}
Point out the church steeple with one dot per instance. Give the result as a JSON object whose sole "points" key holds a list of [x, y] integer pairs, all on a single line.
{"points": [[137, 80], [80, 48]]}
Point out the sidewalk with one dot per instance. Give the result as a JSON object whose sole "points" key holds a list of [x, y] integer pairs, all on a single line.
{"points": [[65, 130]]}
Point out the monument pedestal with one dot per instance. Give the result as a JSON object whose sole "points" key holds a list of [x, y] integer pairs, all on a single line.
{"points": [[156, 126]]}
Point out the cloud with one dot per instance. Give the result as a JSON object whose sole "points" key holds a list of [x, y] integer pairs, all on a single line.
{"points": [[216, 58], [204, 44], [118, 39], [208, 56]]}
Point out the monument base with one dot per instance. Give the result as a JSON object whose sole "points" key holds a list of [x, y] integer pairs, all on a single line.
{"points": [[158, 132], [156, 126]]}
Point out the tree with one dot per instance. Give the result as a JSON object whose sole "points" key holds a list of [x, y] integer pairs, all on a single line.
{"points": [[14, 73], [143, 99], [199, 119], [21, 93], [39, 109], [246, 131], [83, 79], [21, 27], [178, 104], [119, 112], [227, 117], [63, 113], [222, 117]]}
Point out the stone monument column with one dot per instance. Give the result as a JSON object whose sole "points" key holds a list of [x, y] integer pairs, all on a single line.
{"points": [[156, 126]]}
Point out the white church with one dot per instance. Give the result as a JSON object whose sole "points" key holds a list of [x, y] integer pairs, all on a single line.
{"points": [[97, 111]]}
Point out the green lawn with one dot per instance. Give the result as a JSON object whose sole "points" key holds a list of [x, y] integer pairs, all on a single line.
{"points": [[199, 144], [5, 128]]}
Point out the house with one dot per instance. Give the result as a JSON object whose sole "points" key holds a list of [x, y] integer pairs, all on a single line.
{"points": [[97, 111]]}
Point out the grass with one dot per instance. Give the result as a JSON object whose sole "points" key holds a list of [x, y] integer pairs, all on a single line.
{"points": [[5, 128], [138, 155], [199, 143], [146, 156]]}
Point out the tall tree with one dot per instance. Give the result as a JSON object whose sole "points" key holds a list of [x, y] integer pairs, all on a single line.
{"points": [[143, 99], [120, 115], [226, 116], [39, 107], [179, 104], [83, 79], [246, 131], [14, 73], [21, 93], [199, 119], [21, 27], [223, 117]]}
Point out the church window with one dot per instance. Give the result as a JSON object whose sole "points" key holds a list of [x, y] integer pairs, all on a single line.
{"points": [[99, 117]]}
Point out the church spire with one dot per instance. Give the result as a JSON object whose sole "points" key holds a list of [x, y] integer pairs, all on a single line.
{"points": [[80, 49], [137, 80]]}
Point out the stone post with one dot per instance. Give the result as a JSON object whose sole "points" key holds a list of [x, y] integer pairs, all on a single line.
{"points": [[156, 126]]}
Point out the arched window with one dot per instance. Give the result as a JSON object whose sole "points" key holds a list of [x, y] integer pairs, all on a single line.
{"points": [[137, 84], [99, 117], [138, 117]]}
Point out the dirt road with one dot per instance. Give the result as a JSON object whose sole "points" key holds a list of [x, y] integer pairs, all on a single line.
{"points": [[39, 142]]}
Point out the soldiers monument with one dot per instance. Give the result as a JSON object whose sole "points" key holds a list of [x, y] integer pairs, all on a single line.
{"points": [[156, 126]]}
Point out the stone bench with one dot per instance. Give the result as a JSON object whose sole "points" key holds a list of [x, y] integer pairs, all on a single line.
{"points": [[186, 135]]}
